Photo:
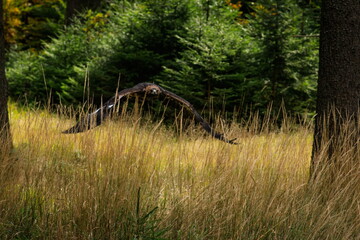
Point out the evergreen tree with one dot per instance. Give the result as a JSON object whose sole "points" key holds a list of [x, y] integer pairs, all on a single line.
{"points": [[285, 63]]}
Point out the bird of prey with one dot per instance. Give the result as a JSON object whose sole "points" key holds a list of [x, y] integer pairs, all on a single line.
{"points": [[98, 116]]}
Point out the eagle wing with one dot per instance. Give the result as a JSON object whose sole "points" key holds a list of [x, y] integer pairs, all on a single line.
{"points": [[205, 125], [97, 117]]}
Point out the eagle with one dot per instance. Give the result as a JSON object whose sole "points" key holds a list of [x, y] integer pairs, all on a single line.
{"points": [[97, 117]]}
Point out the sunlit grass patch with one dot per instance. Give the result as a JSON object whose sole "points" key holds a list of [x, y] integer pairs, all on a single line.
{"points": [[131, 179]]}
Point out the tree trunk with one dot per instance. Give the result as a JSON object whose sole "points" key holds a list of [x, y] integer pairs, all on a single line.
{"points": [[5, 137], [73, 7], [338, 97]]}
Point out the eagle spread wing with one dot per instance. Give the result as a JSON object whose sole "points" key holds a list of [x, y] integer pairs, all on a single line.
{"points": [[98, 116]]}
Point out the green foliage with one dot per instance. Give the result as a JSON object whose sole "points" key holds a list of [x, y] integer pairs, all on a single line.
{"points": [[29, 23], [51, 72], [134, 44], [24, 77], [206, 51], [146, 42], [146, 225], [286, 65], [254, 64], [210, 65]]}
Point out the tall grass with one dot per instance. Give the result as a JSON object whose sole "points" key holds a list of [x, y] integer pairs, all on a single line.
{"points": [[126, 180]]}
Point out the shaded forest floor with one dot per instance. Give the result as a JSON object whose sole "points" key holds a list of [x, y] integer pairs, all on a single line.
{"points": [[140, 180]]}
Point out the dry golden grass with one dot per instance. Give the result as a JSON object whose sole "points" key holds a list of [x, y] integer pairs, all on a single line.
{"points": [[126, 180]]}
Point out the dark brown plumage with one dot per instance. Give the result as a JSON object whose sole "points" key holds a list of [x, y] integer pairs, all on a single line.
{"points": [[98, 116]]}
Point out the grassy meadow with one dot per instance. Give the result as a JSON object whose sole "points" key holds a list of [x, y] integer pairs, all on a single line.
{"points": [[130, 179]]}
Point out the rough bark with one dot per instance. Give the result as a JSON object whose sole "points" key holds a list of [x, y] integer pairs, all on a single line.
{"points": [[5, 138], [338, 94]]}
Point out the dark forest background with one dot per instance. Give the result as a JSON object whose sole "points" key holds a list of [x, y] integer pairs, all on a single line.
{"points": [[221, 55]]}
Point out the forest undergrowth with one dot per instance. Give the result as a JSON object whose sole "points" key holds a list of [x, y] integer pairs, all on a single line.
{"points": [[136, 179]]}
